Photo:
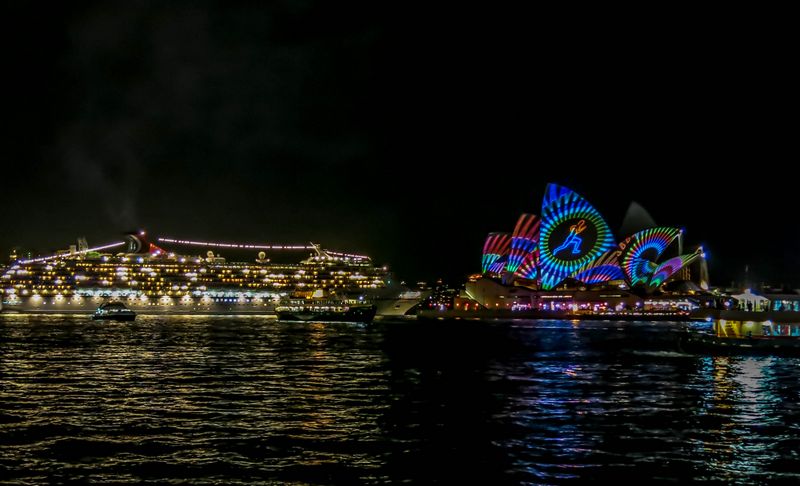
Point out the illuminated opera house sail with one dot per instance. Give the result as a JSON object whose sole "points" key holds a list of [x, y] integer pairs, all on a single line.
{"points": [[156, 277], [571, 241]]}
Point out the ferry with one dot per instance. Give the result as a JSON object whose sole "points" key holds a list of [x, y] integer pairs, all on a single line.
{"points": [[326, 310]]}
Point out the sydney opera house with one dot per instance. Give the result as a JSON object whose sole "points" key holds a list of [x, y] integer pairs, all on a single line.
{"points": [[568, 259]]}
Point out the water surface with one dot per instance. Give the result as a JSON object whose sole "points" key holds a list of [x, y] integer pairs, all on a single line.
{"points": [[240, 400]]}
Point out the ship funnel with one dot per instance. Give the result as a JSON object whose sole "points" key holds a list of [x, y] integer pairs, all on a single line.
{"points": [[135, 242]]}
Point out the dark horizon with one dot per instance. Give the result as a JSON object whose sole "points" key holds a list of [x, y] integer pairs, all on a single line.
{"points": [[374, 130]]}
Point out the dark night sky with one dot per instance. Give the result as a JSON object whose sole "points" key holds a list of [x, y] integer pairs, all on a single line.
{"points": [[404, 132]]}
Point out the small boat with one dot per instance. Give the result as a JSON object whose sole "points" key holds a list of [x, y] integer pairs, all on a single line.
{"points": [[326, 310], [113, 311]]}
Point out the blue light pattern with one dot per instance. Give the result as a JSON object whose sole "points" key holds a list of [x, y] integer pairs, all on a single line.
{"points": [[559, 207]]}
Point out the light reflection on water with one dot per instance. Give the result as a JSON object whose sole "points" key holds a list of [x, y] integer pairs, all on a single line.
{"points": [[240, 400]]}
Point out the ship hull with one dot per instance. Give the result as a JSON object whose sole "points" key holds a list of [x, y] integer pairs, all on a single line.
{"points": [[701, 343], [194, 306], [433, 314], [743, 316], [175, 307], [119, 318]]}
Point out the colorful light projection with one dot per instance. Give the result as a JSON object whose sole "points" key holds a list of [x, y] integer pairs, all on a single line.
{"points": [[572, 235], [530, 267], [524, 242], [498, 266], [641, 250], [495, 247], [603, 269], [671, 267], [641, 268]]}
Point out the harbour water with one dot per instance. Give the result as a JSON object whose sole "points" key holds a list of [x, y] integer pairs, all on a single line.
{"points": [[240, 400]]}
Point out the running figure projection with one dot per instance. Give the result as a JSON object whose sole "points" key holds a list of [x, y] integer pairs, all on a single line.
{"points": [[571, 235], [573, 239]]}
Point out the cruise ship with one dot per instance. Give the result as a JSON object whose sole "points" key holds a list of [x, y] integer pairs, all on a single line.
{"points": [[163, 277]]}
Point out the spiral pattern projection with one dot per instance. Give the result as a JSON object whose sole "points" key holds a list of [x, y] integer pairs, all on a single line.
{"points": [[524, 242], [562, 208], [495, 247], [604, 269], [641, 250], [671, 267]]}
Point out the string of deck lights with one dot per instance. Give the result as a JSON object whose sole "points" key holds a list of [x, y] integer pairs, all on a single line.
{"points": [[247, 246], [80, 252], [237, 245]]}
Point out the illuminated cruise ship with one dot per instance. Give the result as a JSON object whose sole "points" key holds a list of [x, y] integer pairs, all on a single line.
{"points": [[152, 278]]}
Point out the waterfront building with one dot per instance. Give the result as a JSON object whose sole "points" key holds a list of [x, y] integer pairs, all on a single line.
{"points": [[568, 258]]}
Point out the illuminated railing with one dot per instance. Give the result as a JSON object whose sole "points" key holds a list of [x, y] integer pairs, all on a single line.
{"points": [[347, 255], [67, 255], [237, 245]]}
